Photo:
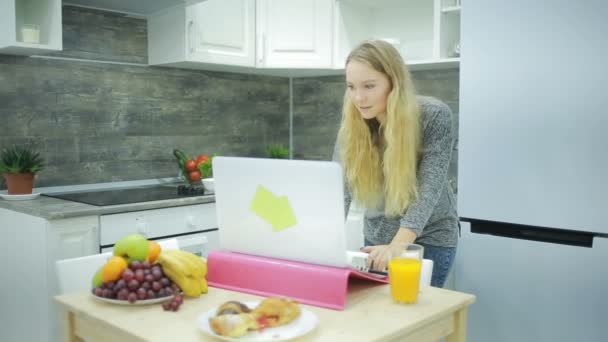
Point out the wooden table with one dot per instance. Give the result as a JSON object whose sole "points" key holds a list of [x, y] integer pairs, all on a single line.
{"points": [[370, 315]]}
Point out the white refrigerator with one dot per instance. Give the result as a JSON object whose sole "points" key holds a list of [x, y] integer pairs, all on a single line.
{"points": [[533, 169]]}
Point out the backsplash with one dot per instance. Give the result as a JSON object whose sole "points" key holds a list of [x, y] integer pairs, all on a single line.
{"points": [[98, 113], [95, 121]]}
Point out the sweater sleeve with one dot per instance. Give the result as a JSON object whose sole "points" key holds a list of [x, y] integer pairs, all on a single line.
{"points": [[438, 140], [347, 194]]}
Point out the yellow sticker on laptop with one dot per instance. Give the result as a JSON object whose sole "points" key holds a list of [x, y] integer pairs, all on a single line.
{"points": [[273, 209]]}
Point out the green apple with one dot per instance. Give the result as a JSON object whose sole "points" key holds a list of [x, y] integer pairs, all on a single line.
{"points": [[97, 278], [132, 247]]}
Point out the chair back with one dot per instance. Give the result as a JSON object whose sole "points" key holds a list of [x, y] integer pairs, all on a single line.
{"points": [[76, 274]]}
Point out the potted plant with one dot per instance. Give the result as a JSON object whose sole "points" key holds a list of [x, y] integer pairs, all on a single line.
{"points": [[277, 151], [19, 166]]}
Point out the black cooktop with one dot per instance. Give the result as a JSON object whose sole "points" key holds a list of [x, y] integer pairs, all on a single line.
{"points": [[122, 195]]}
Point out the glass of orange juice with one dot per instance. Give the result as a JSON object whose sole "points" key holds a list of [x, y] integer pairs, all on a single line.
{"points": [[404, 272]]}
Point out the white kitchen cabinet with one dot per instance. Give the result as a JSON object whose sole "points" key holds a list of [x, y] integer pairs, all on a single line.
{"points": [[31, 245], [194, 226], [74, 237], [207, 35], [426, 32], [302, 37], [294, 34], [21, 21]]}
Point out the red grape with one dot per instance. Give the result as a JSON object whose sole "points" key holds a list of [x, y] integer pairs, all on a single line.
{"points": [[128, 275], [151, 294], [139, 275], [142, 293], [156, 286], [132, 297], [164, 281], [133, 285]]}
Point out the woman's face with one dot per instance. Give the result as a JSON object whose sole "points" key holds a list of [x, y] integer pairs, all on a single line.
{"points": [[368, 90]]}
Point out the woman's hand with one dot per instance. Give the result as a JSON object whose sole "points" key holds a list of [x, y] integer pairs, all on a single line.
{"points": [[380, 255]]}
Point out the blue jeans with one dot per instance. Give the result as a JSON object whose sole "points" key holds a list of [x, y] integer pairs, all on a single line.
{"points": [[443, 258]]}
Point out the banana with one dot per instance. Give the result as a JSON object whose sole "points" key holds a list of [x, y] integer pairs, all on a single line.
{"points": [[199, 264], [203, 285], [187, 270], [196, 265]]}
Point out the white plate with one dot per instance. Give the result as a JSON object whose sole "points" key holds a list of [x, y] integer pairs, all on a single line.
{"points": [[137, 302], [299, 327], [25, 197]]}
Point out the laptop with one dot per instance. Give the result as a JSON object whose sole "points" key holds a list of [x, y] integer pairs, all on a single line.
{"points": [[285, 209]]}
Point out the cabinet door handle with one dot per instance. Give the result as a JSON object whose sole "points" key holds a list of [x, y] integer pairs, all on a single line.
{"points": [[261, 48], [141, 225], [191, 222], [191, 37]]}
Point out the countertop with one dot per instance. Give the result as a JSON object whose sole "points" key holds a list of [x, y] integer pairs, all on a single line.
{"points": [[53, 208]]}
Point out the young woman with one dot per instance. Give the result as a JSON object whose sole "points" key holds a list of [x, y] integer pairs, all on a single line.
{"points": [[395, 148]]}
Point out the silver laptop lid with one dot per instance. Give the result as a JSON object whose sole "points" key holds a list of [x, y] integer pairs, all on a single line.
{"points": [[287, 209]]}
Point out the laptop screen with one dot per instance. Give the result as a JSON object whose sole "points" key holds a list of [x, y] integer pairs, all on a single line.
{"points": [[286, 209]]}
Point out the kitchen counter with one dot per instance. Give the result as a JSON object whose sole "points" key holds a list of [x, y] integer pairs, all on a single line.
{"points": [[53, 208]]}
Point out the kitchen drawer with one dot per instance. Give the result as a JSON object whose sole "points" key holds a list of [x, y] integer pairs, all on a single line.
{"points": [[157, 223], [197, 243]]}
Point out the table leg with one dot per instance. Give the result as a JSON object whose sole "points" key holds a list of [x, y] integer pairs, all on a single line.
{"points": [[70, 328], [460, 327]]}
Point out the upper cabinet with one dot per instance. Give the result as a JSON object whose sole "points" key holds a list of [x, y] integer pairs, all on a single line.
{"points": [[136, 8], [222, 32], [30, 27], [214, 34], [294, 34], [426, 32], [302, 37]]}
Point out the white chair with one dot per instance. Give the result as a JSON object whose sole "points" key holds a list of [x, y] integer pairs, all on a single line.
{"points": [[76, 274]]}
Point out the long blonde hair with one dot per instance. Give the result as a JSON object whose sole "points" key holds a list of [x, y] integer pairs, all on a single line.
{"points": [[382, 159]]}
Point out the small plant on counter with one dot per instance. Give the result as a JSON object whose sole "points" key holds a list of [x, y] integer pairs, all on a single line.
{"points": [[277, 151], [19, 166]]}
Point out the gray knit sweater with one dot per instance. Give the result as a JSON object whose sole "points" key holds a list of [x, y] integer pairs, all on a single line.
{"points": [[432, 216]]}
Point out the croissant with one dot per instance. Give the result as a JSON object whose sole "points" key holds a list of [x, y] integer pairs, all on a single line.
{"points": [[273, 311], [233, 325], [235, 319], [231, 308]]}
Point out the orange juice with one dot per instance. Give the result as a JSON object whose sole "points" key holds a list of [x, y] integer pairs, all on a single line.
{"points": [[404, 276]]}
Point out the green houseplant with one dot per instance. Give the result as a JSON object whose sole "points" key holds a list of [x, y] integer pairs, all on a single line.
{"points": [[277, 151], [19, 166]]}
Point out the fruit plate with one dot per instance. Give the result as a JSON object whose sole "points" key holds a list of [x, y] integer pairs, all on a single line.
{"points": [[299, 327], [25, 197], [137, 302]]}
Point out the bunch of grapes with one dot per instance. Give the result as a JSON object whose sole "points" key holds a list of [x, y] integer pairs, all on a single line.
{"points": [[139, 281], [174, 303]]}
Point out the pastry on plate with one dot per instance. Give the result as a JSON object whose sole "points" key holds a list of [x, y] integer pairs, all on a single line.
{"points": [[233, 325], [235, 319], [232, 308], [274, 311]]}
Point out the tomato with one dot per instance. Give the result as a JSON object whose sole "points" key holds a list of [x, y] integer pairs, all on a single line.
{"points": [[195, 176], [201, 158], [190, 165]]}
